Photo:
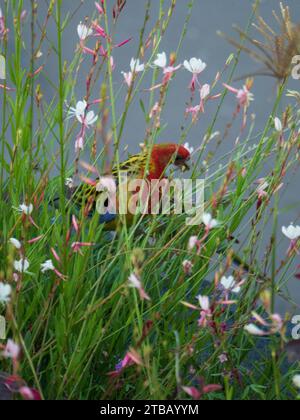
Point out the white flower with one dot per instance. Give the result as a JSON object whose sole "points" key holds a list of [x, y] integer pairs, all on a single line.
{"points": [[292, 232], [136, 66], [83, 31], [278, 124], [22, 265], [161, 60], [296, 381], [14, 242], [209, 222], [134, 282], [204, 91], [47, 266], [230, 285], [79, 111], [69, 183], [11, 351], [189, 148], [254, 330], [2, 67], [204, 302], [128, 77], [5, 292], [193, 242], [90, 119], [23, 208], [195, 65]]}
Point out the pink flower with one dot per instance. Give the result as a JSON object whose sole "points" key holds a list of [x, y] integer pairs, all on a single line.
{"points": [[131, 358], [135, 282], [162, 62], [204, 96], [205, 313], [193, 243], [76, 246], [79, 144], [99, 30], [195, 111], [244, 97], [11, 351], [30, 394], [99, 8], [135, 67], [155, 110]]}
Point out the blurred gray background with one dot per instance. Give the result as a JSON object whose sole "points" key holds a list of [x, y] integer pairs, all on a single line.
{"points": [[202, 42]]}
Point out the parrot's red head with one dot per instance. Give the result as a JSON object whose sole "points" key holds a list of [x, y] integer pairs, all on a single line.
{"points": [[164, 155]]}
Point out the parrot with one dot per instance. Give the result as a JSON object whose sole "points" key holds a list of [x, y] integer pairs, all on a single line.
{"points": [[150, 164]]}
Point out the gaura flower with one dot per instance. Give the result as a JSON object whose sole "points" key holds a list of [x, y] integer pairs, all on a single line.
{"points": [[78, 111], [5, 292], [22, 265], [195, 66], [134, 282], [16, 243], [205, 313], [89, 119], [83, 31], [244, 96], [209, 222], [193, 243], [11, 351], [230, 285], [135, 67], [47, 266], [161, 60], [204, 302], [27, 210], [292, 232], [85, 118], [204, 96]]}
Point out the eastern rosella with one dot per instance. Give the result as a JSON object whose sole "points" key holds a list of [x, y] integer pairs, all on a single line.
{"points": [[150, 164]]}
